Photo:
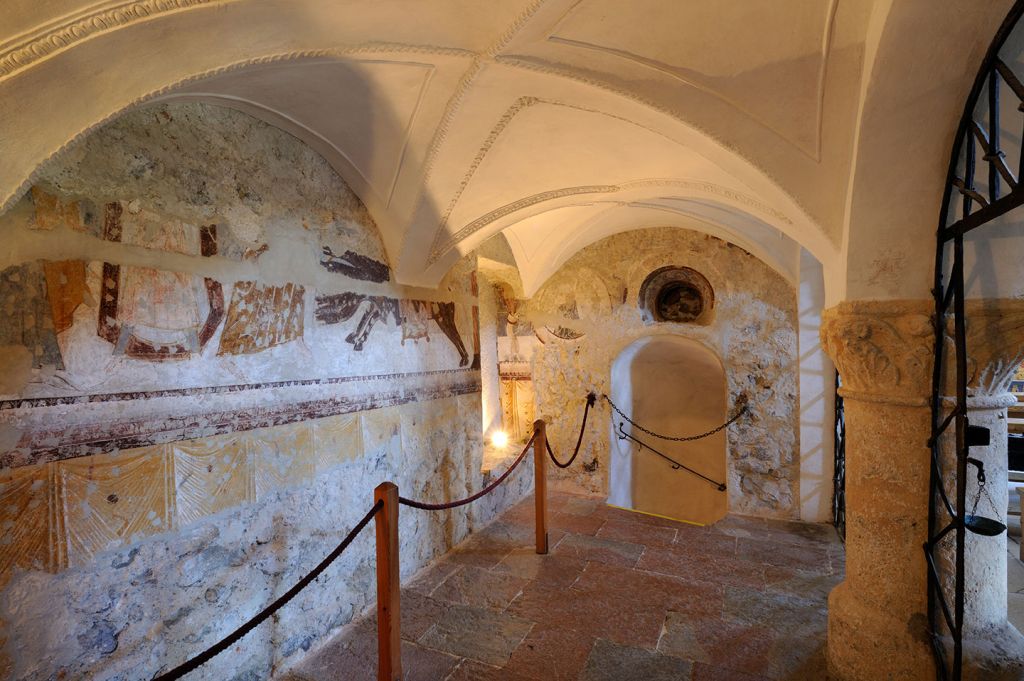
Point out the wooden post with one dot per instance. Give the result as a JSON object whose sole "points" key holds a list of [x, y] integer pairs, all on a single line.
{"points": [[389, 614], [540, 484]]}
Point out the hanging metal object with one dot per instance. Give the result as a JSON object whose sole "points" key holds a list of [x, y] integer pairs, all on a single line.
{"points": [[986, 527], [978, 436]]}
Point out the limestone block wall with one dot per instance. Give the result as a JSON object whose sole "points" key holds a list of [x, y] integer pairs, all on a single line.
{"points": [[588, 312], [206, 369]]}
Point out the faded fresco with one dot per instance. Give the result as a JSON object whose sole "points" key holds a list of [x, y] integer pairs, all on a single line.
{"points": [[188, 282], [208, 313], [218, 327]]}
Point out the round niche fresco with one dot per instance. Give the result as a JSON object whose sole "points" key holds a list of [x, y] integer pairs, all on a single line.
{"points": [[571, 304], [678, 295]]}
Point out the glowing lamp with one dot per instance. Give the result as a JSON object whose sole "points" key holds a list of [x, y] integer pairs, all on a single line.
{"points": [[499, 438]]}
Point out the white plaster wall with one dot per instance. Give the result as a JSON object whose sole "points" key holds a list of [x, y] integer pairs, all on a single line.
{"points": [[489, 380], [671, 386], [817, 399]]}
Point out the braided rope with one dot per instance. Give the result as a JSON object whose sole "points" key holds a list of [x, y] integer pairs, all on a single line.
{"points": [[741, 402], [237, 634], [423, 506], [591, 399]]}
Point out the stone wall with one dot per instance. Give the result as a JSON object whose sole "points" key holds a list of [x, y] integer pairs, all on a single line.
{"points": [[588, 312], [207, 369]]}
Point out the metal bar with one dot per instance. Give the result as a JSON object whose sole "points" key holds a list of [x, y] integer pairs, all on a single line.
{"points": [[988, 213], [675, 464], [995, 161], [996, 165], [839, 464], [1011, 78], [946, 300], [940, 656], [941, 429], [934, 541], [960, 341], [941, 489], [966, 191], [941, 597]]}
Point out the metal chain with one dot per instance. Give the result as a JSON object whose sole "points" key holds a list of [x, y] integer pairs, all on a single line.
{"points": [[741, 403], [983, 492]]}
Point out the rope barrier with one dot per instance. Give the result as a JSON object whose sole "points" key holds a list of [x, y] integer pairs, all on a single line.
{"points": [[591, 400], [232, 638], [741, 402], [423, 506], [237, 634]]}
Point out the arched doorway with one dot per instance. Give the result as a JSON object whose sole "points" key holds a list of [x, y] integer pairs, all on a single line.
{"points": [[672, 386]]}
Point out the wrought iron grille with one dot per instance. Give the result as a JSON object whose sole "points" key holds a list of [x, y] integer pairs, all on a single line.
{"points": [[839, 474], [969, 202]]}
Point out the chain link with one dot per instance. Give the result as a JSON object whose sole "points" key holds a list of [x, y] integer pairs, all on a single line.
{"points": [[741, 403]]}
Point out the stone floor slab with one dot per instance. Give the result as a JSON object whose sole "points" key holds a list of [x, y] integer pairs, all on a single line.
{"points": [[552, 570], [711, 567], [610, 551], [477, 634], [783, 554], [638, 533], [621, 596], [612, 662], [482, 588], [551, 654], [354, 658], [597, 613], [726, 645]]}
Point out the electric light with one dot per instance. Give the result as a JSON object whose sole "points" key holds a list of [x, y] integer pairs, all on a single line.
{"points": [[499, 438]]}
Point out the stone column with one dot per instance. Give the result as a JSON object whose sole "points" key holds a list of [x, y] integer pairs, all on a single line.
{"points": [[993, 649], [878, 623], [878, 615]]}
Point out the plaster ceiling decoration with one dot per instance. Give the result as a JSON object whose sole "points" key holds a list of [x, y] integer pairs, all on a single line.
{"points": [[778, 78], [454, 120], [21, 50]]}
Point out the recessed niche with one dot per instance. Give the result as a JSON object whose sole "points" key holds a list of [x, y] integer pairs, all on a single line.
{"points": [[679, 295]]}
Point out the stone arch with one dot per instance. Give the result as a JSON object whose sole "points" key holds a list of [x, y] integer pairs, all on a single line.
{"points": [[672, 385]]}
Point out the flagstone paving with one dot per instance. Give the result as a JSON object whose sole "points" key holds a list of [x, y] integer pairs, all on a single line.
{"points": [[620, 596]]}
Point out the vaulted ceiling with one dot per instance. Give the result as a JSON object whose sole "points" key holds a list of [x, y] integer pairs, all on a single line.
{"points": [[557, 122]]}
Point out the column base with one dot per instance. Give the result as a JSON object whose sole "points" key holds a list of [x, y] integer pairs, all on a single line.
{"points": [[868, 644], [996, 654]]}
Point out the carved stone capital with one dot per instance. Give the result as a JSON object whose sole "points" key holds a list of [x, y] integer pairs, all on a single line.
{"points": [[995, 346], [882, 349]]}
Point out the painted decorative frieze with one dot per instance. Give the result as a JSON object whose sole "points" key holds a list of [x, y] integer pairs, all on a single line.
{"points": [[210, 336]]}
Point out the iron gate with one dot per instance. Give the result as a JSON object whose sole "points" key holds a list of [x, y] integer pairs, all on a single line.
{"points": [[839, 469], [964, 208]]}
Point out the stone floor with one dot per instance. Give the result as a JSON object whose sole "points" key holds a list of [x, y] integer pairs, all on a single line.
{"points": [[1014, 575], [620, 596]]}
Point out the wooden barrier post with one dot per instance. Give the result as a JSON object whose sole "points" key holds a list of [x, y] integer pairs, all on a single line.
{"points": [[540, 484], [389, 615]]}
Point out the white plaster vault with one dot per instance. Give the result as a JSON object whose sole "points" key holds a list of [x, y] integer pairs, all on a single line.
{"points": [[558, 121]]}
